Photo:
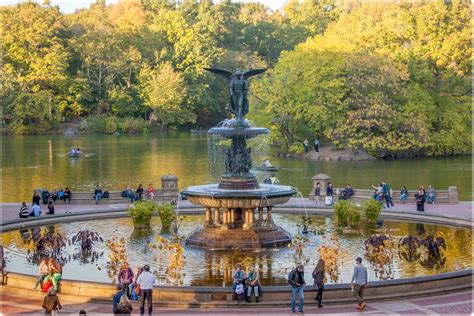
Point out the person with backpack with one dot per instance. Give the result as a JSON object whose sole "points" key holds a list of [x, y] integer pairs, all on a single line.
{"points": [[51, 303], [296, 281], [318, 276]]}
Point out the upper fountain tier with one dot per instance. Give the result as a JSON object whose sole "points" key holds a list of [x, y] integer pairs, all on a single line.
{"points": [[237, 127]]}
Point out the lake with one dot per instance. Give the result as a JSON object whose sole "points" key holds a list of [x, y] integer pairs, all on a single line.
{"points": [[30, 162]]}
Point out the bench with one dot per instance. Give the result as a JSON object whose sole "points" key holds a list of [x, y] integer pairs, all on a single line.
{"points": [[449, 196]]}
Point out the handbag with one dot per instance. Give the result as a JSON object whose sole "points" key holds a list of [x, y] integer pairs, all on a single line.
{"points": [[328, 200], [239, 289]]}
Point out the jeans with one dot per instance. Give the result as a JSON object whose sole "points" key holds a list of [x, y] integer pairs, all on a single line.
{"points": [[146, 295], [388, 200], [97, 198], [403, 197], [299, 291], [249, 290]]}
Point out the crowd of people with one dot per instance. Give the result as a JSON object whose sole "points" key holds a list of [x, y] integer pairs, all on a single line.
{"points": [[139, 193], [48, 198], [383, 194]]}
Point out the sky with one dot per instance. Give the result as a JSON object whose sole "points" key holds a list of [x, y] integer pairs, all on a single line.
{"points": [[68, 6]]}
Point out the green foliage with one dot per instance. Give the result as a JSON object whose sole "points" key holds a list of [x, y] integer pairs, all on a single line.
{"points": [[141, 212], [347, 214], [112, 124], [167, 215], [380, 78], [371, 209]]}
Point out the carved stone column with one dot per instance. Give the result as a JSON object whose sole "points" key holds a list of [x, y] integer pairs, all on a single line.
{"points": [[208, 216], [217, 220]]}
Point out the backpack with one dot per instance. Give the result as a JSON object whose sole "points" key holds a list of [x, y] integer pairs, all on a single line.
{"points": [[46, 285], [105, 195]]}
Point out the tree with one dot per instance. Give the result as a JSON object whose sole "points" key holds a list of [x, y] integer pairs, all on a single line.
{"points": [[163, 90]]}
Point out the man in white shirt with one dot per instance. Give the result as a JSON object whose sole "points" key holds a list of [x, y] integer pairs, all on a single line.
{"points": [[146, 280]]}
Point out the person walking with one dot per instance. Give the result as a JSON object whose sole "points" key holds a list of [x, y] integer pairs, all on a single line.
{"points": [[317, 193], [296, 280], [359, 283], [51, 303], [318, 276], [420, 200], [146, 280]]}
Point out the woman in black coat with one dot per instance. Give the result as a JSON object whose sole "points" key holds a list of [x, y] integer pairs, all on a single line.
{"points": [[318, 275]]}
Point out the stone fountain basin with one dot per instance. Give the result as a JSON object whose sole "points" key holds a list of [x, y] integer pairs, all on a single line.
{"points": [[244, 132], [266, 195]]}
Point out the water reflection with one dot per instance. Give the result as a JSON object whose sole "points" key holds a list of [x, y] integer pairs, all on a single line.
{"points": [[201, 267]]}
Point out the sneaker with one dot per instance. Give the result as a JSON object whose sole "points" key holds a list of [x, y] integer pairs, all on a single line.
{"points": [[362, 306], [301, 312], [293, 311], [319, 306]]}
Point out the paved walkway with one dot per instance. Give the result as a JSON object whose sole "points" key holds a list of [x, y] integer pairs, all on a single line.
{"points": [[450, 304], [463, 210]]}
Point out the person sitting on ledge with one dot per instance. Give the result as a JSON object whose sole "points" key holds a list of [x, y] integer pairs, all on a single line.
{"points": [[140, 191], [267, 180], [266, 163], [50, 208], [238, 286], [431, 194], [67, 195], [151, 192], [24, 212], [347, 193], [404, 194], [61, 194], [35, 210], [253, 283], [97, 194]]}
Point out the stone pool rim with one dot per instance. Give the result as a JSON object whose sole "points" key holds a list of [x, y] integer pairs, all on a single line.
{"points": [[202, 295]]}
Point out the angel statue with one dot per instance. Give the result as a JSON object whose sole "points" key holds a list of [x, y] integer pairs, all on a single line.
{"points": [[238, 88]]}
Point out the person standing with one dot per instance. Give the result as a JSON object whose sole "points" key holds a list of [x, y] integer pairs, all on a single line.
{"points": [[51, 303], [296, 280], [36, 198], [386, 194], [420, 200], [317, 193], [359, 283], [67, 195], [146, 280], [24, 212], [329, 194], [305, 145], [318, 276], [316, 145], [126, 278]]}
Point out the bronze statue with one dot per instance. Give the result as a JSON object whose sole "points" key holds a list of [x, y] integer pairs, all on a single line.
{"points": [[238, 88]]}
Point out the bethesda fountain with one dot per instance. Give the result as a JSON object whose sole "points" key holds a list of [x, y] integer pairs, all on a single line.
{"points": [[238, 209]]}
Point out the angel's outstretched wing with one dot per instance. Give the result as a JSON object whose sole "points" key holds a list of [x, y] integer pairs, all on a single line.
{"points": [[223, 72], [253, 72]]}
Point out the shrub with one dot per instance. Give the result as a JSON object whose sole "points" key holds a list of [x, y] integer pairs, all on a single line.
{"points": [[372, 210], [347, 214], [167, 215], [141, 212], [296, 148], [132, 125]]}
